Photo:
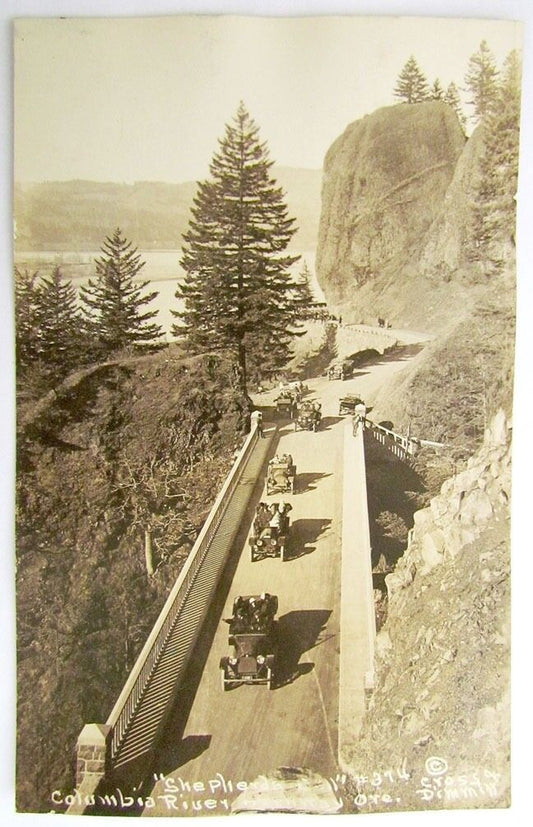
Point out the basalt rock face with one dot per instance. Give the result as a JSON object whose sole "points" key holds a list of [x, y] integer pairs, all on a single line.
{"points": [[444, 250], [443, 653], [385, 180]]}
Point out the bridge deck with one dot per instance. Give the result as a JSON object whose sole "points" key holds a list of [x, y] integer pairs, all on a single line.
{"points": [[249, 730]]}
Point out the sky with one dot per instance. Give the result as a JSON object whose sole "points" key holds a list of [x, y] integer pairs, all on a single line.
{"points": [[147, 98]]}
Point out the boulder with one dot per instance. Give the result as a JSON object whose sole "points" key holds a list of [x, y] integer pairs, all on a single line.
{"points": [[432, 550], [476, 508]]}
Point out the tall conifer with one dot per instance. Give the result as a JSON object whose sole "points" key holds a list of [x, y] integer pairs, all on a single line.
{"points": [[411, 86], [237, 288], [60, 323], [436, 92], [27, 317], [482, 81], [451, 97], [113, 300], [494, 211]]}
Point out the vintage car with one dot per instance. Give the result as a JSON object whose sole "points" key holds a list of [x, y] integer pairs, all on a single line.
{"points": [[280, 475], [270, 531], [252, 635], [308, 416], [286, 403], [341, 370], [347, 404]]}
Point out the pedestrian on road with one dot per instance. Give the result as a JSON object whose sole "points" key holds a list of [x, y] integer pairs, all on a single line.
{"points": [[257, 417]]}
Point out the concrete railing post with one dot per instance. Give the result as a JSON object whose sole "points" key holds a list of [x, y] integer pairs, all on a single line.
{"points": [[92, 755]]}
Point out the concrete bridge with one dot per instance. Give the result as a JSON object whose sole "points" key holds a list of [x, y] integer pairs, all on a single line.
{"points": [[172, 720]]}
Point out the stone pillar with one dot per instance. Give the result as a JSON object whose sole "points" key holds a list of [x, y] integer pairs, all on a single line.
{"points": [[92, 753]]}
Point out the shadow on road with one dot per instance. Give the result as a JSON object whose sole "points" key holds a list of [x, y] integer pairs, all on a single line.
{"points": [[307, 482], [174, 750], [400, 353], [297, 633], [303, 534], [328, 421]]}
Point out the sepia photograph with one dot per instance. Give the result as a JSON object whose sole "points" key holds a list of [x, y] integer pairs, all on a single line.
{"points": [[262, 275]]}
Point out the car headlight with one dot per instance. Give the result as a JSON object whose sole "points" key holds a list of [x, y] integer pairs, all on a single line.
{"points": [[233, 661], [260, 660], [259, 542], [273, 541]]}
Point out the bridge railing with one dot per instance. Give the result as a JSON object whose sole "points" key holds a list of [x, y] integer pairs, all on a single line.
{"points": [[136, 684], [403, 447]]}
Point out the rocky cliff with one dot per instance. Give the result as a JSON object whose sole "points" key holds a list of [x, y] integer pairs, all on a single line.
{"points": [[443, 250], [384, 183], [440, 709]]}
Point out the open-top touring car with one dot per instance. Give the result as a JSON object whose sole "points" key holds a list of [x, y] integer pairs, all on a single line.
{"points": [[270, 531], [286, 402], [280, 475], [348, 404], [308, 416], [252, 635], [341, 370]]}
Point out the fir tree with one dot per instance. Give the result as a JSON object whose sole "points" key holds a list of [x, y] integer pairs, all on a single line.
{"points": [[303, 292], [59, 323], [112, 301], [236, 291], [411, 85], [436, 93], [451, 97], [27, 318], [494, 209], [482, 81]]}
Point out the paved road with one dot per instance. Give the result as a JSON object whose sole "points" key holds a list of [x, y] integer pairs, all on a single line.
{"points": [[249, 730]]}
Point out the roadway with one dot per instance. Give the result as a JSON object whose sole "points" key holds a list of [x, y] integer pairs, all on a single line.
{"points": [[250, 731]]}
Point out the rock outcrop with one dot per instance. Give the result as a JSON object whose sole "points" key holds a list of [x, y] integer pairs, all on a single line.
{"points": [[458, 515], [444, 250], [441, 705], [385, 180]]}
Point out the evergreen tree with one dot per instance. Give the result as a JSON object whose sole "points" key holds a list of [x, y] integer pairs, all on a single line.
{"points": [[451, 97], [482, 81], [112, 301], [494, 209], [27, 318], [59, 323], [411, 85], [236, 291], [303, 292], [436, 93]]}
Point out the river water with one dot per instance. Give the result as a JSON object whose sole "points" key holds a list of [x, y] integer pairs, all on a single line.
{"points": [[162, 269]]}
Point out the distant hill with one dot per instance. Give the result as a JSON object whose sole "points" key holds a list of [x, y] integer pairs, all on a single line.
{"points": [[77, 215]]}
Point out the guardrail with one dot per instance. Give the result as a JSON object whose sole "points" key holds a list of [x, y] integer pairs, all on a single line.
{"points": [[403, 447], [135, 686], [173, 623]]}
